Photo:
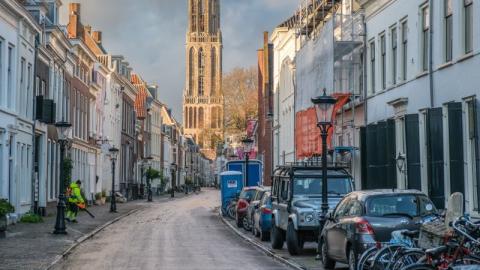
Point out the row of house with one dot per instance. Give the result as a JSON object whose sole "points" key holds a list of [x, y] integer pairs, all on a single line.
{"points": [[404, 75], [51, 73]]}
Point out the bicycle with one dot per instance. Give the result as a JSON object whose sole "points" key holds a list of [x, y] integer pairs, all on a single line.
{"points": [[457, 251]]}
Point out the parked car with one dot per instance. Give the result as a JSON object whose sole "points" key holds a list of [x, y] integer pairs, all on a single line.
{"points": [[296, 202], [364, 218], [254, 204], [262, 217], [246, 196]]}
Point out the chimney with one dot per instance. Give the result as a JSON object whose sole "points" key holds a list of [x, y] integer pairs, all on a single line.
{"points": [[74, 20], [88, 29], [97, 36]]}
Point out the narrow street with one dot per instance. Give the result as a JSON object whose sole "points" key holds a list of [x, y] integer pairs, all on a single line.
{"points": [[181, 234]]}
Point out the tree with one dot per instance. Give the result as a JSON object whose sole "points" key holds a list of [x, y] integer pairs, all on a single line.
{"points": [[240, 90]]}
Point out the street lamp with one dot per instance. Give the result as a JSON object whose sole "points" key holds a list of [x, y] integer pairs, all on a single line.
{"points": [[186, 175], [247, 142], [148, 161], [324, 110], [63, 130], [173, 168], [113, 156]]}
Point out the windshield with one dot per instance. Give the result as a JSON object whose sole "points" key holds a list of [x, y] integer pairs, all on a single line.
{"points": [[409, 205], [313, 186], [247, 194]]}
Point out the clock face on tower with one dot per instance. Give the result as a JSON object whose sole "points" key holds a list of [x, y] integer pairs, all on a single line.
{"points": [[203, 97]]}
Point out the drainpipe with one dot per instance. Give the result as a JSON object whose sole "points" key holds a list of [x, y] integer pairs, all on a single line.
{"points": [[430, 53], [365, 76], [34, 116]]}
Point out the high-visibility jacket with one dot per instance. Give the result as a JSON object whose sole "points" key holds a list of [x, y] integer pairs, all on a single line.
{"points": [[76, 196]]}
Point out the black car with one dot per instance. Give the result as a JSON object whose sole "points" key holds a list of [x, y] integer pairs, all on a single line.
{"points": [[364, 218]]}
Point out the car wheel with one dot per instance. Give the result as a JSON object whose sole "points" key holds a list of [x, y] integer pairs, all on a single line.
{"points": [[264, 235], [327, 262], [246, 225], [294, 243], [239, 221], [277, 237], [352, 259]]}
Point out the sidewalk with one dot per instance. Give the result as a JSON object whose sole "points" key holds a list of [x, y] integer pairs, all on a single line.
{"points": [[304, 261], [34, 246]]}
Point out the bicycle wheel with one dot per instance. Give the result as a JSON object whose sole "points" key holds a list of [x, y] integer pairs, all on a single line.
{"points": [[407, 257], [384, 259], [419, 266], [467, 260], [366, 259]]}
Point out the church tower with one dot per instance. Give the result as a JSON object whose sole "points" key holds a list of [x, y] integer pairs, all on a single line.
{"points": [[203, 96]]}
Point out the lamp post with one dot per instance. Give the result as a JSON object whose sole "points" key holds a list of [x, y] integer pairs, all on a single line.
{"points": [[63, 129], [173, 168], [148, 161], [401, 163], [186, 176], [113, 156], [247, 142], [324, 110]]}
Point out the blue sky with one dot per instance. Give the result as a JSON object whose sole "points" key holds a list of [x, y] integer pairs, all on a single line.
{"points": [[151, 35]]}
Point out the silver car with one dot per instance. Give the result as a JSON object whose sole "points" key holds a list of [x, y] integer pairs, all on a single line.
{"points": [[296, 203]]}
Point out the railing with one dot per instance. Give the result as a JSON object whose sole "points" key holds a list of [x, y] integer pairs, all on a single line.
{"points": [[203, 100]]}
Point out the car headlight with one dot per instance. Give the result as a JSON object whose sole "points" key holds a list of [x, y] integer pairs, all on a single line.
{"points": [[309, 218]]}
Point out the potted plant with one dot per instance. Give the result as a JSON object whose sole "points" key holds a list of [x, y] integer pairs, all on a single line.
{"points": [[5, 208], [104, 196], [98, 198]]}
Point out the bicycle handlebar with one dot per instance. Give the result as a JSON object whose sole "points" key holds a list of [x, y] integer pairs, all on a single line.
{"points": [[456, 228]]}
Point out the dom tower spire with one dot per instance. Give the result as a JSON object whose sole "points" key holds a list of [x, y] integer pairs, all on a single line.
{"points": [[203, 97]]}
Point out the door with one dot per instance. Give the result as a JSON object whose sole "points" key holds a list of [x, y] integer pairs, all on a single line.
{"points": [[412, 137], [333, 230], [455, 133], [283, 204], [435, 157]]}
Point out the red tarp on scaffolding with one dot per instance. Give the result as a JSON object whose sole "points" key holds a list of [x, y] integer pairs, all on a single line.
{"points": [[308, 142]]}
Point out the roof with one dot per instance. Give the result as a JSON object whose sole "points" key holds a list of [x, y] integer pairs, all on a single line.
{"points": [[363, 194], [141, 97]]}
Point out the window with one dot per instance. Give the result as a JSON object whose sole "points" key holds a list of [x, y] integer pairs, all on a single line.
{"points": [[191, 60], [356, 209], [10, 77], [394, 55], [22, 92], [468, 28], [342, 208], [425, 37], [201, 72], [372, 66], [448, 30], [37, 86], [383, 53], [214, 71], [29, 89], [1, 69], [404, 49]]}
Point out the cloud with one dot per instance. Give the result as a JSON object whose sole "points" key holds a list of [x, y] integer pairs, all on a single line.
{"points": [[151, 35]]}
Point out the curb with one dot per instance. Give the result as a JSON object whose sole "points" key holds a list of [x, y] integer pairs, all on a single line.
{"points": [[261, 247], [82, 239]]}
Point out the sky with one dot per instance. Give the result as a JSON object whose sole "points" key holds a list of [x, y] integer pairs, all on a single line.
{"points": [[151, 34]]}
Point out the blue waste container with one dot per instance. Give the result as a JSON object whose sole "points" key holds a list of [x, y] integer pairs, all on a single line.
{"points": [[231, 184]]}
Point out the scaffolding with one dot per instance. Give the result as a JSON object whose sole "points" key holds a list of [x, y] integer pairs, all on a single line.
{"points": [[330, 35]]}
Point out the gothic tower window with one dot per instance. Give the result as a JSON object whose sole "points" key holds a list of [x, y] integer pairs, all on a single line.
{"points": [[201, 14], [214, 117], [200, 118], [195, 118], [193, 23], [190, 117], [214, 72], [213, 11], [191, 61], [201, 72]]}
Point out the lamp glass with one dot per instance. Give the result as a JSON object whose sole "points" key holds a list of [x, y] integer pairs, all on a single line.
{"points": [[247, 143], [324, 106], [113, 152], [63, 130]]}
